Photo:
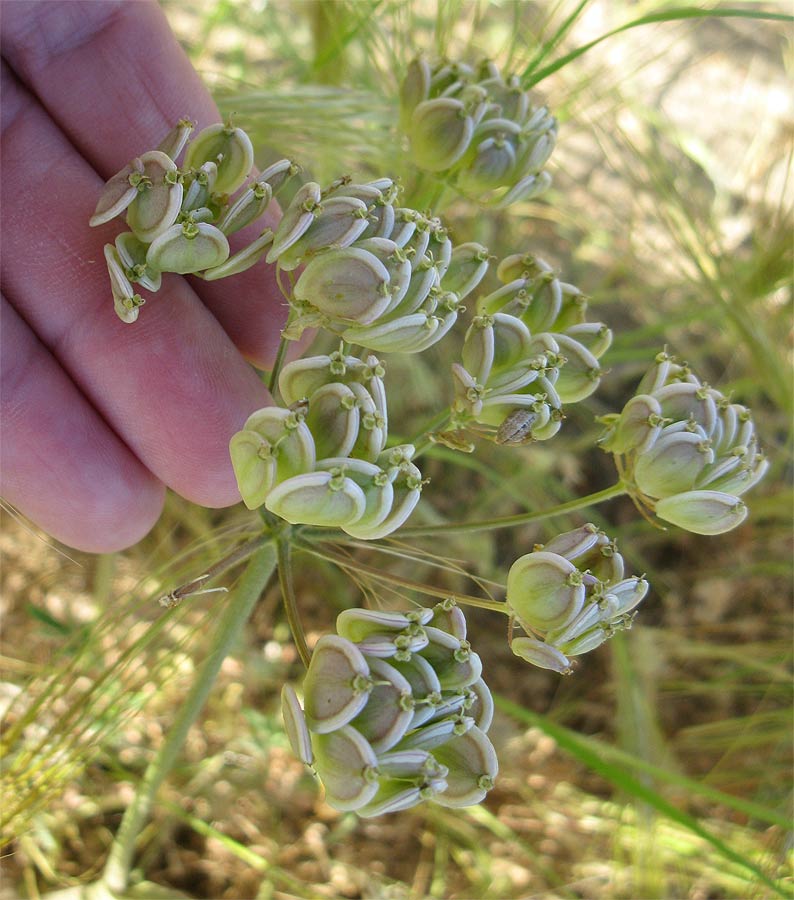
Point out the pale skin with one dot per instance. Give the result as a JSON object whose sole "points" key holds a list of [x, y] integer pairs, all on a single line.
{"points": [[99, 417]]}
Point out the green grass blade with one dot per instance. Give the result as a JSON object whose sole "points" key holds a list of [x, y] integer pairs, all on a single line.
{"points": [[555, 39], [531, 78], [583, 750]]}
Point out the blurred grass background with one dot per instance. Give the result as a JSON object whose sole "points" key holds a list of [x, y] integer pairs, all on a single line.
{"points": [[662, 768]]}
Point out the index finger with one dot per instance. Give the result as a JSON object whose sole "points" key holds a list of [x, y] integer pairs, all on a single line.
{"points": [[113, 78]]}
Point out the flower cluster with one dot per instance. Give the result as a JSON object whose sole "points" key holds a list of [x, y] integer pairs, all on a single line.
{"points": [[395, 712], [478, 130], [570, 596], [323, 459], [180, 218], [528, 351], [379, 275], [685, 450]]}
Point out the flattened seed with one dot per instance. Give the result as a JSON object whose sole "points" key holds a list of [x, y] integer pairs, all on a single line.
{"points": [[347, 767], [295, 725], [154, 210], [334, 687]]}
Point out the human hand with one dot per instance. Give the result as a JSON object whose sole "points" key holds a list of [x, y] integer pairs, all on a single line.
{"points": [[98, 417]]}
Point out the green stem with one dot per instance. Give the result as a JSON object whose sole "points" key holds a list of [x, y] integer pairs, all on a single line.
{"points": [[616, 490], [281, 355], [405, 583], [284, 549], [235, 614], [422, 440]]}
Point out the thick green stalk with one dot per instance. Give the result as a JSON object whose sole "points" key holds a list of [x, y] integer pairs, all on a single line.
{"points": [[616, 490], [235, 615]]}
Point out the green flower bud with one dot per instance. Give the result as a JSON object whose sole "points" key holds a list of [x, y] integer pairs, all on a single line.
{"points": [[456, 670], [176, 139], [673, 464], [448, 616], [297, 219], [242, 260], [637, 428], [502, 297], [491, 166], [588, 641], [512, 345], [665, 371], [132, 255], [338, 223], [229, 148], [392, 796], [302, 377], [626, 595], [347, 767], [396, 264], [542, 655], [248, 207], [125, 301], [467, 268], [574, 544], [333, 418], [527, 188], [740, 479], [317, 498], [588, 618], [118, 193], [441, 131], [435, 734], [473, 767], [357, 624], [372, 432], [404, 227], [392, 646], [408, 334], [521, 266], [154, 209], [546, 430], [417, 245], [482, 705], [375, 484], [702, 512], [685, 401], [198, 186], [386, 717], [295, 725], [271, 447], [409, 764], [414, 89], [581, 374], [594, 336], [188, 248], [349, 285], [544, 591], [536, 151], [337, 684], [407, 488], [468, 392], [277, 174]]}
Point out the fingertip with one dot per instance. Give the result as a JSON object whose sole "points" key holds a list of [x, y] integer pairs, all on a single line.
{"points": [[117, 520]]}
